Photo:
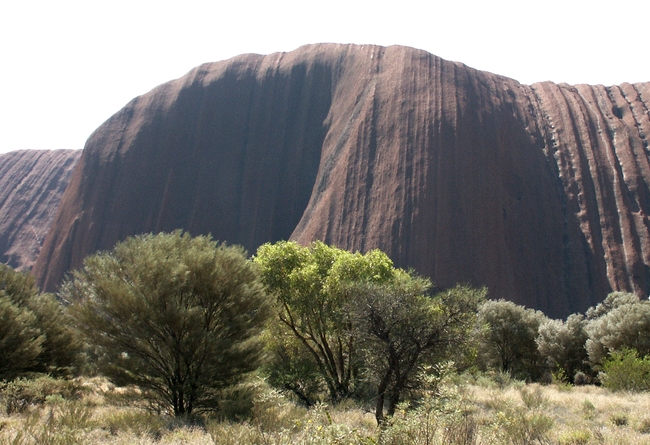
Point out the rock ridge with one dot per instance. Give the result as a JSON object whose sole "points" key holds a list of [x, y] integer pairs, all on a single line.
{"points": [[539, 192], [31, 185]]}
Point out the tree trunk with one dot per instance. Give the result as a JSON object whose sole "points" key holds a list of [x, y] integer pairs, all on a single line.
{"points": [[381, 395]]}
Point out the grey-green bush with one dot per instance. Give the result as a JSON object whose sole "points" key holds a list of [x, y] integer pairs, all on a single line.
{"points": [[507, 335], [179, 317], [621, 321]]}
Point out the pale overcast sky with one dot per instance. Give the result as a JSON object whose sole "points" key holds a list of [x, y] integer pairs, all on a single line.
{"points": [[66, 66]]}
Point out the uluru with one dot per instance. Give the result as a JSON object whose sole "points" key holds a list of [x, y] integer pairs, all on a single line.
{"points": [[539, 192], [31, 185]]}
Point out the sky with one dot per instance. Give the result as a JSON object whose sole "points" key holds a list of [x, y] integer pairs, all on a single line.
{"points": [[67, 66]]}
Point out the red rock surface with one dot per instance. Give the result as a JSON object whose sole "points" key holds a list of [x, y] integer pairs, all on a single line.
{"points": [[31, 185], [539, 192]]}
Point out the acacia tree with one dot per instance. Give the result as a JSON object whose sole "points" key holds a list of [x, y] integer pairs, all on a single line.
{"points": [[20, 340], [179, 317], [309, 284], [401, 328], [35, 333]]}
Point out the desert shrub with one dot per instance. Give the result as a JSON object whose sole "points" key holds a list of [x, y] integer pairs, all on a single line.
{"points": [[578, 437], [20, 339], [137, 422], [520, 427], [580, 379], [20, 394], [562, 344], [588, 409], [35, 333], [644, 426], [178, 317], [533, 397], [626, 371], [446, 416], [622, 321], [507, 335], [68, 423], [618, 419]]}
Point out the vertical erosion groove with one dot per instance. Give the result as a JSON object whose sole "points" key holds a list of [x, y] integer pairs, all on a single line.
{"points": [[539, 192]]}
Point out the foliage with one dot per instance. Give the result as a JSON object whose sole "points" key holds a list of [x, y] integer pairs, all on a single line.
{"points": [[177, 316], [22, 393], [563, 344], [446, 416], [400, 329], [626, 371], [34, 330], [507, 335], [315, 332], [137, 422], [613, 301], [446, 412], [20, 339], [621, 321]]}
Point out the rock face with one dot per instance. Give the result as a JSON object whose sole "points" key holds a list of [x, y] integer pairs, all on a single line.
{"points": [[539, 192], [31, 185]]}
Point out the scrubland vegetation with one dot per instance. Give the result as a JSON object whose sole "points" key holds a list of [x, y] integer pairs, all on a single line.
{"points": [[465, 409], [174, 339]]}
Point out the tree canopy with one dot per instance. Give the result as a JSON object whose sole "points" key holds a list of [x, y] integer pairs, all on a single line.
{"points": [[620, 322], [309, 284], [508, 338], [180, 317], [35, 333], [401, 328]]}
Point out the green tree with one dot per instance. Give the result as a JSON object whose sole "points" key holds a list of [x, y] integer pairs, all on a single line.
{"points": [[179, 317], [401, 328], [20, 340], [562, 344], [508, 338], [621, 321], [309, 284], [35, 324]]}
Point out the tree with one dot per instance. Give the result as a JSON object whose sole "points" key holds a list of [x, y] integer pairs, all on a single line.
{"points": [[508, 338], [620, 322], [313, 311], [35, 330], [179, 317], [401, 328], [20, 340], [562, 344]]}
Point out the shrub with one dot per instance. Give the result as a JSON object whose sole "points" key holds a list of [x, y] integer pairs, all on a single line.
{"points": [[579, 437], [508, 339], [533, 397], [644, 426], [20, 394], [137, 422], [625, 371], [588, 409], [178, 317], [622, 321], [580, 379], [522, 428]]}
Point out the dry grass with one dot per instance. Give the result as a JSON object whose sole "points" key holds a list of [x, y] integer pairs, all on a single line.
{"points": [[510, 413]]}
